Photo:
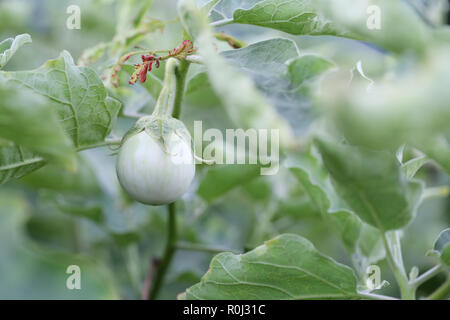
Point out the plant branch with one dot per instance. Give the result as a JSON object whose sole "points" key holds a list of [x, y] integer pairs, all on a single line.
{"points": [[220, 23], [169, 250], [426, 276], [392, 246], [373, 296], [107, 142], [232, 41]]}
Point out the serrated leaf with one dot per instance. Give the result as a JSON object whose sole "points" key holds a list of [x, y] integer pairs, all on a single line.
{"points": [[9, 47], [442, 246], [78, 94], [27, 120], [286, 267], [372, 184]]}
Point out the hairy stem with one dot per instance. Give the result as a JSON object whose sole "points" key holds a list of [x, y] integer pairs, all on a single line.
{"points": [[180, 73], [392, 245], [168, 253], [373, 296]]}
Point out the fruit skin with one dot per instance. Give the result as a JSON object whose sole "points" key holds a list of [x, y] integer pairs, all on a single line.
{"points": [[155, 171]]}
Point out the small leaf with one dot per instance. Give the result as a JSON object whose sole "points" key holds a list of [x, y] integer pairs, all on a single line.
{"points": [[442, 246], [9, 47], [286, 267]]}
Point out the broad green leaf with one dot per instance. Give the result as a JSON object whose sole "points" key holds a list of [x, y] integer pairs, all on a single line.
{"points": [[442, 246], [438, 149], [77, 94], [244, 104], [27, 120], [286, 267], [372, 183], [9, 47], [306, 68], [297, 17], [221, 179]]}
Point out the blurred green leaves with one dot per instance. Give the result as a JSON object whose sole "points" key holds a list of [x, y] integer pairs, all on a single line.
{"points": [[442, 246]]}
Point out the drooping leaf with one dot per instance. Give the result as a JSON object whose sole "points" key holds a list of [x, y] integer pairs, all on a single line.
{"points": [[78, 95], [29, 121], [286, 267], [442, 246], [372, 183], [10, 46]]}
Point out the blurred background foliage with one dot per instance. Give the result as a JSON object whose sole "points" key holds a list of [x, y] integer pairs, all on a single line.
{"points": [[53, 218]]}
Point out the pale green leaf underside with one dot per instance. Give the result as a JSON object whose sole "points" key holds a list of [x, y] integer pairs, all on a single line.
{"points": [[10, 46], [15, 162], [372, 183], [296, 17], [286, 267]]}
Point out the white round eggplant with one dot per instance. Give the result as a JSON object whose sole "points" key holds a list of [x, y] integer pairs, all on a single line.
{"points": [[155, 171]]}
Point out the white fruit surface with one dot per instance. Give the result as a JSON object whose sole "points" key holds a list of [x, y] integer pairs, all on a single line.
{"points": [[152, 173]]}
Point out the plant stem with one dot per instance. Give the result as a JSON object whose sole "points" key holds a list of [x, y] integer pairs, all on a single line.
{"points": [[373, 296], [107, 142], [180, 73], [392, 246], [426, 276], [220, 23], [162, 105], [204, 248], [168, 252], [442, 292]]}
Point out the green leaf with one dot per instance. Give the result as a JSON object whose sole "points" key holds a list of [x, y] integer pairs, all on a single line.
{"points": [[15, 162], [27, 120], [412, 166], [221, 179], [442, 246], [372, 183], [301, 273], [243, 102], [9, 47], [362, 241], [78, 95], [297, 17]]}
